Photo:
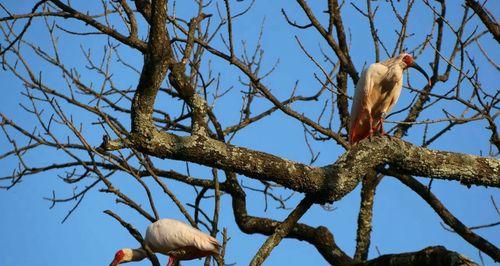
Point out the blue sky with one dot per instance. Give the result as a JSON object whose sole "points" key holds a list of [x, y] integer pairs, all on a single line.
{"points": [[32, 234]]}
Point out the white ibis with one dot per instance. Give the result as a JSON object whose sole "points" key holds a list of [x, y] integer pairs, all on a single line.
{"points": [[376, 93], [173, 238]]}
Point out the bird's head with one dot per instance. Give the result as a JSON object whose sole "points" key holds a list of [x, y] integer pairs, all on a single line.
{"points": [[408, 61], [122, 256]]}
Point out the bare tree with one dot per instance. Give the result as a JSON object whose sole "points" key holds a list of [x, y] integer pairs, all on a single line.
{"points": [[191, 64]]}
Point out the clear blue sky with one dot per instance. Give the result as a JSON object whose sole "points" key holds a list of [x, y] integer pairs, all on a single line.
{"points": [[32, 234]]}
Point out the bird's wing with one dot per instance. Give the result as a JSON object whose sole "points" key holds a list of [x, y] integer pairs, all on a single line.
{"points": [[165, 234], [395, 92], [169, 234], [204, 241], [369, 77]]}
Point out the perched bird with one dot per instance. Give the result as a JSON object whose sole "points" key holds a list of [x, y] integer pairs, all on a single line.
{"points": [[173, 238], [376, 93]]}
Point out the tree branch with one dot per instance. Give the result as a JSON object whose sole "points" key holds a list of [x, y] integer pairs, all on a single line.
{"points": [[327, 183], [465, 232], [488, 22], [282, 230], [154, 70], [365, 216], [430, 256], [320, 236], [344, 58], [152, 257], [132, 41]]}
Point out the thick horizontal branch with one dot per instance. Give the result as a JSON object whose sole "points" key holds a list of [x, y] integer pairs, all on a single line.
{"points": [[327, 183], [209, 152], [406, 158]]}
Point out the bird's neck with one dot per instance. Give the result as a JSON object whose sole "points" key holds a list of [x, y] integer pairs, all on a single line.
{"points": [[392, 77], [138, 254], [393, 63]]}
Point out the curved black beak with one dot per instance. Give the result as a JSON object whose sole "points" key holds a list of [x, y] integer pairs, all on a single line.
{"points": [[417, 67]]}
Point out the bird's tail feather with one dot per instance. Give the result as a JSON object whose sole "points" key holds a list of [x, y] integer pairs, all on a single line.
{"points": [[360, 128]]}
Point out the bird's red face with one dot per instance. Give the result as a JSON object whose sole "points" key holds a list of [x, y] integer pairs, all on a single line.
{"points": [[119, 255], [408, 60]]}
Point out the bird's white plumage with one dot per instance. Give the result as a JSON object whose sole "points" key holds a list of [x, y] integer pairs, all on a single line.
{"points": [[173, 238], [377, 91], [168, 235]]}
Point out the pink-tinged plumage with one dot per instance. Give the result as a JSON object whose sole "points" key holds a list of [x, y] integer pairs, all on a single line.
{"points": [[173, 238], [168, 236], [377, 91]]}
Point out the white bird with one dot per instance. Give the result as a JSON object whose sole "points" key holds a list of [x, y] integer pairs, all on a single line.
{"points": [[173, 238], [377, 91]]}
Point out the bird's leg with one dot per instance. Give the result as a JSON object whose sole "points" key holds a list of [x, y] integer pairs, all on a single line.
{"points": [[370, 124], [381, 125], [377, 129], [170, 261], [381, 129]]}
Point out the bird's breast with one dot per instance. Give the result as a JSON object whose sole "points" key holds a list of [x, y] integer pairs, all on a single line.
{"points": [[381, 96]]}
